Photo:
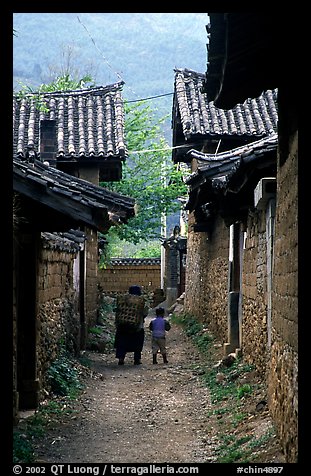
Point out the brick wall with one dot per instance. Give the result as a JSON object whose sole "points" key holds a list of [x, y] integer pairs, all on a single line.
{"points": [[122, 274], [206, 293]]}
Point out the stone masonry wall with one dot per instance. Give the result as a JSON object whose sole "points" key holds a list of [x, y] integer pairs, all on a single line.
{"points": [[58, 320], [254, 290], [206, 294], [283, 371]]}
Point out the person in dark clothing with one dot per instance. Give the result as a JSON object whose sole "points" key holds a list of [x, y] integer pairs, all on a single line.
{"points": [[131, 311], [158, 327]]}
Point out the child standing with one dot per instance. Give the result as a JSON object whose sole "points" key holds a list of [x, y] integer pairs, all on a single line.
{"points": [[158, 327]]}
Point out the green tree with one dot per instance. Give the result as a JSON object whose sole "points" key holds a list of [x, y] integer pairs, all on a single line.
{"points": [[149, 176]]}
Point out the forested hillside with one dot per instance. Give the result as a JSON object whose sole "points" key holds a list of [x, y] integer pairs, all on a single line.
{"points": [[140, 48]]}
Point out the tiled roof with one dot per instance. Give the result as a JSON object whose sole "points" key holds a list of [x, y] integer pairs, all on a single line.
{"points": [[198, 116], [135, 261], [89, 122], [67, 241], [224, 183], [79, 199], [220, 168]]}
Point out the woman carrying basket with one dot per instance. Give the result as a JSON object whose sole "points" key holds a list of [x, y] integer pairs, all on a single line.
{"points": [[131, 311]]}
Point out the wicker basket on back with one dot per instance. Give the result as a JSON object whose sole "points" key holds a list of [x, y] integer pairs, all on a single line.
{"points": [[129, 313]]}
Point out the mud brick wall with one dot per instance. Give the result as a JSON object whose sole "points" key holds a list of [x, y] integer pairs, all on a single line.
{"points": [[254, 289], [91, 286], [283, 374], [119, 277], [58, 320], [206, 293]]}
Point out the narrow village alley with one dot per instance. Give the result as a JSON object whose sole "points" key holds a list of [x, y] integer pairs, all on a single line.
{"points": [[151, 413]]}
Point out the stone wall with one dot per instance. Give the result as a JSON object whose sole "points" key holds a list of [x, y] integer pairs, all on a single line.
{"points": [[283, 371], [172, 271], [254, 293], [58, 317], [123, 273], [206, 294]]}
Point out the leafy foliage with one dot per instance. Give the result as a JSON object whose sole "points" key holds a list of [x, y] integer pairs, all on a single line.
{"points": [[149, 176], [243, 390], [22, 448], [151, 250], [63, 377], [118, 248]]}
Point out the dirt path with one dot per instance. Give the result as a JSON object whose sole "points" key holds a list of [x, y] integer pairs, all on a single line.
{"points": [[137, 413], [162, 413]]}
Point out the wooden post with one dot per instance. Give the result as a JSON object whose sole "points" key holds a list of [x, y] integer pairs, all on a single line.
{"points": [[234, 282]]}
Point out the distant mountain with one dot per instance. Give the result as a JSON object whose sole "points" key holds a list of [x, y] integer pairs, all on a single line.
{"points": [[141, 48]]}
